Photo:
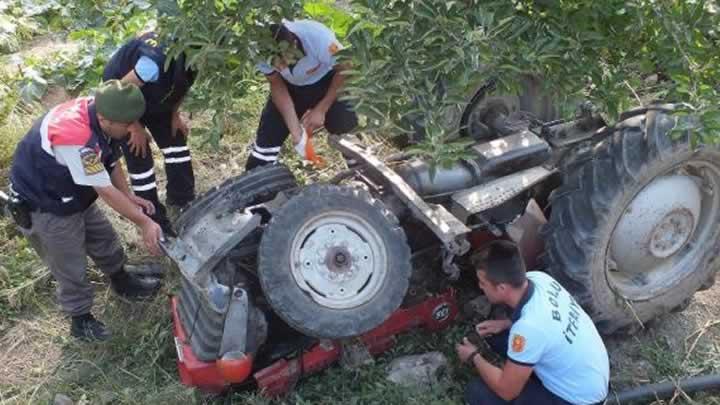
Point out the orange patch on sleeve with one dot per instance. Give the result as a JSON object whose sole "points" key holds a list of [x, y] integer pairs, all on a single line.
{"points": [[518, 343]]}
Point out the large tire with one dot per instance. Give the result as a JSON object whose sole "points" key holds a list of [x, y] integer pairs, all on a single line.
{"points": [[253, 187], [333, 262], [530, 99], [639, 182], [258, 185]]}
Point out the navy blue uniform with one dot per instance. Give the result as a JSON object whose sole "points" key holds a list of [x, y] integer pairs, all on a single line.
{"points": [[54, 171], [44, 183], [164, 91]]}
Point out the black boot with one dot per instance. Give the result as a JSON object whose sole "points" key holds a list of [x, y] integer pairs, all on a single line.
{"points": [[146, 270], [87, 328], [133, 287]]}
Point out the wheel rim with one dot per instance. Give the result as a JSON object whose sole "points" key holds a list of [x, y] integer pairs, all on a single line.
{"points": [[664, 231], [339, 260]]}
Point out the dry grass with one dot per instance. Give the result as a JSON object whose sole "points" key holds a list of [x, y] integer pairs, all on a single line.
{"points": [[39, 360], [137, 366]]}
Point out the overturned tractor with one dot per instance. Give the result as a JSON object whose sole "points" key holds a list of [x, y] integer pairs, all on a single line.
{"points": [[632, 230]]}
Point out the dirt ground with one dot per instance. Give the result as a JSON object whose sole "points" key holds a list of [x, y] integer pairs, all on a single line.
{"points": [[35, 350], [677, 344]]}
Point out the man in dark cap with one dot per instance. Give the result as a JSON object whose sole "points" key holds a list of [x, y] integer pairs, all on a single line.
{"points": [[143, 61], [67, 159]]}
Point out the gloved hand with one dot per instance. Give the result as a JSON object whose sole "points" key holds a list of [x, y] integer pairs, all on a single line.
{"points": [[305, 149]]}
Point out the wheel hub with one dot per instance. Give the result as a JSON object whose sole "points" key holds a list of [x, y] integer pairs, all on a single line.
{"points": [[339, 262], [671, 234], [657, 224]]}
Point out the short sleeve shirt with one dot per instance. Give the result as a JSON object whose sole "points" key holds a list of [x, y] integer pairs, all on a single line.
{"points": [[147, 70], [552, 334], [320, 46], [84, 165]]}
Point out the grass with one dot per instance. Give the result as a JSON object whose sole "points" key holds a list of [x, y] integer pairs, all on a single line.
{"points": [[137, 366]]}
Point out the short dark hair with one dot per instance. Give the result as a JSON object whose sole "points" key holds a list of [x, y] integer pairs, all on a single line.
{"points": [[281, 33], [501, 262]]}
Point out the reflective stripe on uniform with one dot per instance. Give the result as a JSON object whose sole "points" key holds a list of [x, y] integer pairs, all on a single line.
{"points": [[177, 160], [174, 149], [264, 157], [145, 187], [275, 149], [142, 175]]}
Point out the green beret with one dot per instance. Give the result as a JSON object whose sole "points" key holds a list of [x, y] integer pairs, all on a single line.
{"points": [[118, 101]]}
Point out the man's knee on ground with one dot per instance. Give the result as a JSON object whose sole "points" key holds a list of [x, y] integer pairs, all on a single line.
{"points": [[477, 392], [342, 122]]}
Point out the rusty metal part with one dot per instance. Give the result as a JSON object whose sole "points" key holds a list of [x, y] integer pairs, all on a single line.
{"points": [[485, 196], [203, 243], [444, 225], [525, 232]]}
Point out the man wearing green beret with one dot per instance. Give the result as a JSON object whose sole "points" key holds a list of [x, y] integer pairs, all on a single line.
{"points": [[67, 159]]}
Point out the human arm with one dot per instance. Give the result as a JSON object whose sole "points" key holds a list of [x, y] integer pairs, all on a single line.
{"points": [[145, 71], [117, 177], [492, 327], [120, 202], [507, 382], [281, 98], [314, 118], [87, 169]]}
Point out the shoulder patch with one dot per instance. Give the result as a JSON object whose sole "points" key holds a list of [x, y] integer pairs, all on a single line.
{"points": [[91, 161], [518, 343], [150, 40], [333, 48]]}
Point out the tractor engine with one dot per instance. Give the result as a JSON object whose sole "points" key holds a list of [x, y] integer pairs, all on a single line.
{"points": [[493, 159]]}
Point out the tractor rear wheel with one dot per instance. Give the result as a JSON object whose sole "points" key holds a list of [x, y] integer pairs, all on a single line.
{"points": [[333, 262], [634, 231]]}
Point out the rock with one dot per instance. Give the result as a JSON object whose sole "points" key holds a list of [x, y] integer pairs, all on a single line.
{"points": [[354, 356], [420, 371], [478, 308], [61, 399]]}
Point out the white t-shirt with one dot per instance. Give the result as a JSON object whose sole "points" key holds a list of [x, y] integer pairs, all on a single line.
{"points": [[552, 334], [320, 45]]}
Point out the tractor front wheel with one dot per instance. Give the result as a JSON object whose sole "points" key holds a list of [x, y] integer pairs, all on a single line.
{"points": [[333, 262]]}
